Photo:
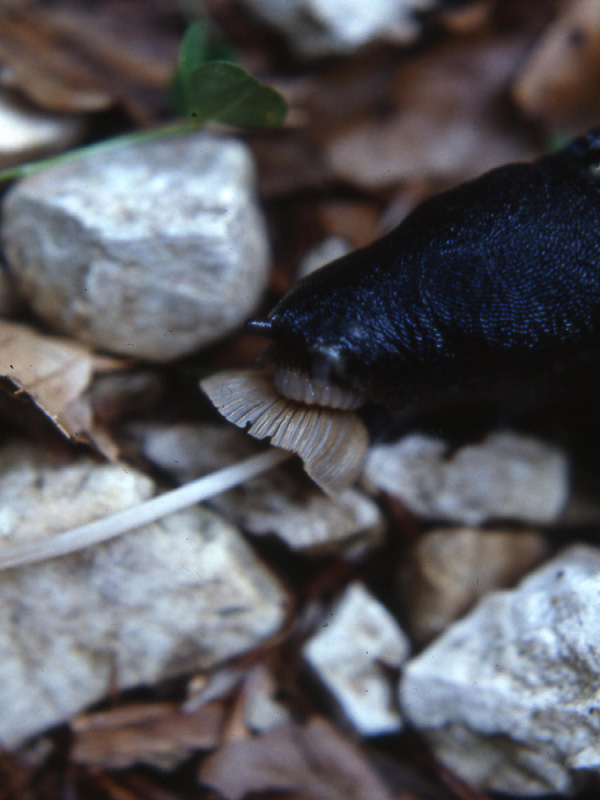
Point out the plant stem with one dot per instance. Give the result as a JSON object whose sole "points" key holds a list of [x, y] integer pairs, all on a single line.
{"points": [[101, 530], [32, 167]]}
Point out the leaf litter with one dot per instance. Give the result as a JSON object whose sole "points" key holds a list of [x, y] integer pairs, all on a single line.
{"points": [[494, 60], [55, 373]]}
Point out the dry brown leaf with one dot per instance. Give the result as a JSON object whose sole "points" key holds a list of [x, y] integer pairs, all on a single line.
{"points": [[87, 59], [45, 72], [440, 117], [560, 84], [146, 733], [54, 373], [312, 760], [332, 444]]}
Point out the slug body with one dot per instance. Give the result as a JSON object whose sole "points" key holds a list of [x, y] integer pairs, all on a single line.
{"points": [[488, 288]]}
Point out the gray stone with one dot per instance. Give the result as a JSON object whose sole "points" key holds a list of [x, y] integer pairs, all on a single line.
{"points": [[182, 594], [509, 697], [347, 655], [327, 27], [149, 251], [39, 498], [448, 570], [507, 476]]}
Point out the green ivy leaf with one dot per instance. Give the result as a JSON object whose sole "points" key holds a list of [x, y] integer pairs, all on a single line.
{"points": [[225, 92]]}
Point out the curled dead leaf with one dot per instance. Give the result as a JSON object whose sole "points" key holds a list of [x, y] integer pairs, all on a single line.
{"points": [[54, 373], [35, 64], [331, 443]]}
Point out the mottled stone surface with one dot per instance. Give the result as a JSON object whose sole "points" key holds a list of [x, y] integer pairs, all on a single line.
{"points": [[39, 497], [506, 476], [149, 251], [182, 594], [347, 654], [509, 696]]}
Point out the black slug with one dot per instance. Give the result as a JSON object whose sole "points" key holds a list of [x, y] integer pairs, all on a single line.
{"points": [[490, 288]]}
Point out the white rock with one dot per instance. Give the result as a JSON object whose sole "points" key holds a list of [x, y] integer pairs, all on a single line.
{"points": [[149, 251], [277, 503], [183, 594], [507, 476], [39, 498], [27, 132], [187, 450], [347, 655], [509, 697], [327, 27]]}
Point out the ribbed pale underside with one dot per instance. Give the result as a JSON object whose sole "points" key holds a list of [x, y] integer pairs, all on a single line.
{"points": [[331, 443]]}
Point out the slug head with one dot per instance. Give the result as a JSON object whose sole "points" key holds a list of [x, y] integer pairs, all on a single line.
{"points": [[327, 335], [476, 292]]}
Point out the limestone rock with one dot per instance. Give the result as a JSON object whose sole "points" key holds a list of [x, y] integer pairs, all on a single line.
{"points": [[508, 697], [449, 569], [149, 251], [183, 594], [39, 498], [327, 27], [327, 250], [507, 476], [347, 655], [10, 301], [262, 710]]}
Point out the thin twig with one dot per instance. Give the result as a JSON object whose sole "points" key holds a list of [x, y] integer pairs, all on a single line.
{"points": [[137, 137]]}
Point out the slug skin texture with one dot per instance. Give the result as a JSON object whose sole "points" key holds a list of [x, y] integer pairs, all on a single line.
{"points": [[489, 291]]}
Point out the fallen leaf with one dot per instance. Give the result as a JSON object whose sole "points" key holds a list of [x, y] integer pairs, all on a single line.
{"points": [[332, 444], [54, 373], [88, 59], [312, 760], [45, 73], [150, 733], [441, 116]]}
